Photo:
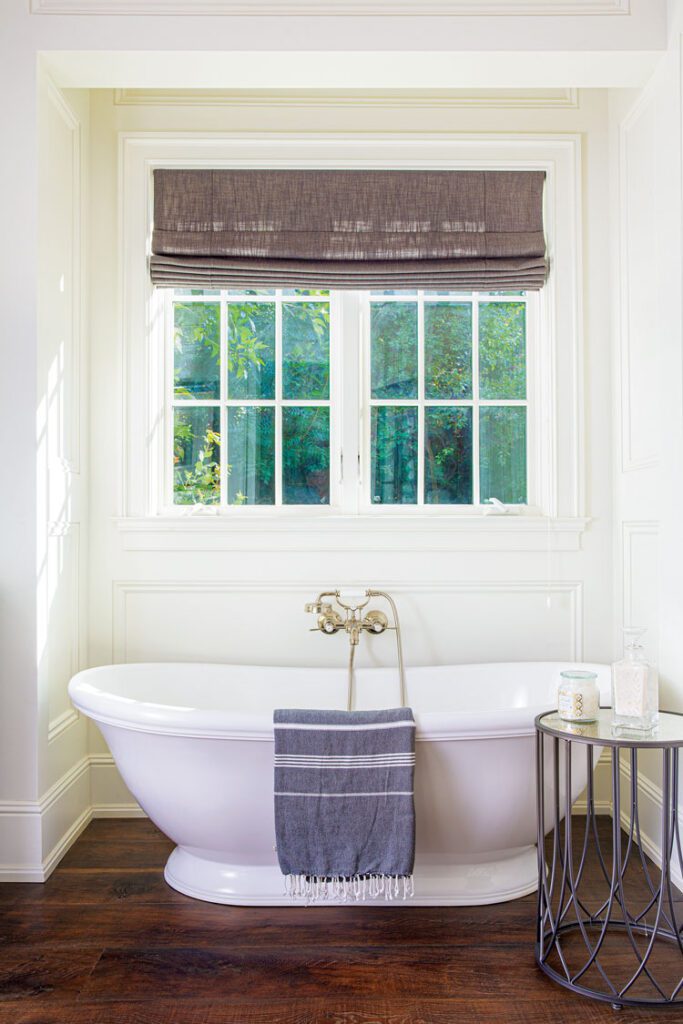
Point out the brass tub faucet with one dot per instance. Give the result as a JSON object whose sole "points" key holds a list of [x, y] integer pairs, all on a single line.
{"points": [[346, 611]]}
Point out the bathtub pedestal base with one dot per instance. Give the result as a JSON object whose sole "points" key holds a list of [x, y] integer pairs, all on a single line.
{"points": [[490, 880]]}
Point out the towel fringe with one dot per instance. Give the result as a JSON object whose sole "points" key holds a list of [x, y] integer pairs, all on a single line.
{"points": [[321, 888]]}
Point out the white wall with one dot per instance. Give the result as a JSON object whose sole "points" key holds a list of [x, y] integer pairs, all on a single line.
{"points": [[51, 796], [62, 442], [155, 51], [204, 594], [646, 184]]}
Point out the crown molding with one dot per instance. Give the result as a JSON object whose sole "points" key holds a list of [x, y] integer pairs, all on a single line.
{"points": [[509, 99], [317, 8]]}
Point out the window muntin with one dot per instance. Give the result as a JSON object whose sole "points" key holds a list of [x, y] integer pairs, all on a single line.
{"points": [[257, 404], [447, 398], [251, 384]]}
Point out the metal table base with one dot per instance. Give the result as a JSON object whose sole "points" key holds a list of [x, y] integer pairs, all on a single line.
{"points": [[606, 945]]}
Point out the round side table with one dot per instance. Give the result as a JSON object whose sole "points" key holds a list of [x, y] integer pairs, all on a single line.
{"points": [[610, 923]]}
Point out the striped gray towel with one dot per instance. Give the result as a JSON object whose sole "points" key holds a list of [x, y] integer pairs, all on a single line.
{"points": [[344, 809]]}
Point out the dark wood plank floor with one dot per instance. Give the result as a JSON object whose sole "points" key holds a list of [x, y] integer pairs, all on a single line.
{"points": [[106, 941]]}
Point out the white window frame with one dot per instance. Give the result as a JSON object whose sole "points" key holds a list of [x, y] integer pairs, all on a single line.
{"points": [[350, 457], [556, 454]]}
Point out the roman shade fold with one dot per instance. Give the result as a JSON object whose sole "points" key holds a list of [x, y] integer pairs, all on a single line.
{"points": [[470, 230]]}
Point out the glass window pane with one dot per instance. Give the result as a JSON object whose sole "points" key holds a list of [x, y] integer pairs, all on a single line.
{"points": [[394, 455], [196, 456], [502, 453], [251, 350], [322, 292], [393, 291], [305, 455], [506, 293], [196, 357], [502, 350], [251, 455], [393, 339], [448, 350], [306, 350], [251, 291], [448, 456], [180, 292]]}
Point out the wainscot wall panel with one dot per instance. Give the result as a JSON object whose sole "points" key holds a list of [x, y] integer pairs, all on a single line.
{"points": [[182, 621]]}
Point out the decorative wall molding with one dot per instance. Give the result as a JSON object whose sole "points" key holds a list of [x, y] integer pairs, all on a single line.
{"points": [[122, 590], [631, 461], [355, 8], [631, 529], [61, 723], [364, 533], [70, 459], [65, 719], [457, 99]]}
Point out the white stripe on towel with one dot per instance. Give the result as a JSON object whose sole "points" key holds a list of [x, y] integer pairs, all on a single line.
{"points": [[339, 767], [353, 757], [349, 759], [410, 763], [383, 793], [342, 728]]}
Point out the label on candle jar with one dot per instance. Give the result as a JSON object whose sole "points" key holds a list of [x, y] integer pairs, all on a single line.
{"points": [[578, 704]]}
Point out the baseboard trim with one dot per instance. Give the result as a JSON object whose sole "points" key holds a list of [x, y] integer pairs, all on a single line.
{"points": [[42, 871], [51, 795], [63, 845], [26, 825], [131, 810]]}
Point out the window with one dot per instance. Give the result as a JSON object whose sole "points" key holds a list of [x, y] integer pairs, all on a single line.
{"points": [[448, 398], [251, 398], [257, 399]]}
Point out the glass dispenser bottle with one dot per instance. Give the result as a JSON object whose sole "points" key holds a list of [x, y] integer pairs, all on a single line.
{"points": [[635, 688]]}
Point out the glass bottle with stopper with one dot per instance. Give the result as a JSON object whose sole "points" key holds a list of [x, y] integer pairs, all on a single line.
{"points": [[635, 688]]}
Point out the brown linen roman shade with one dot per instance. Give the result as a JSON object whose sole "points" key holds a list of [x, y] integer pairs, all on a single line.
{"points": [[381, 229]]}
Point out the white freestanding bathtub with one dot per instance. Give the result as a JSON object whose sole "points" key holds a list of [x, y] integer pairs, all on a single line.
{"points": [[194, 744]]}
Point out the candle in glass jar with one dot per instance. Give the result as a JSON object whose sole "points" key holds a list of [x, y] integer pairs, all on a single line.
{"points": [[578, 696]]}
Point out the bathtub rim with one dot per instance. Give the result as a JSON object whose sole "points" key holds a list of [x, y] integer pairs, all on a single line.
{"points": [[133, 715]]}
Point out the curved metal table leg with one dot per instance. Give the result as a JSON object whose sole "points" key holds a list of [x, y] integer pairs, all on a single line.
{"points": [[572, 940]]}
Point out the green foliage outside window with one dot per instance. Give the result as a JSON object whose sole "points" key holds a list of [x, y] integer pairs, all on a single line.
{"points": [[251, 370], [448, 376], [447, 362]]}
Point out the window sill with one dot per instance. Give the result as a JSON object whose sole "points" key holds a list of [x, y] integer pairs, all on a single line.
{"points": [[300, 531]]}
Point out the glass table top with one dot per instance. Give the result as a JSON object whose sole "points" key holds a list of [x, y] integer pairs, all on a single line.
{"points": [[667, 733]]}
